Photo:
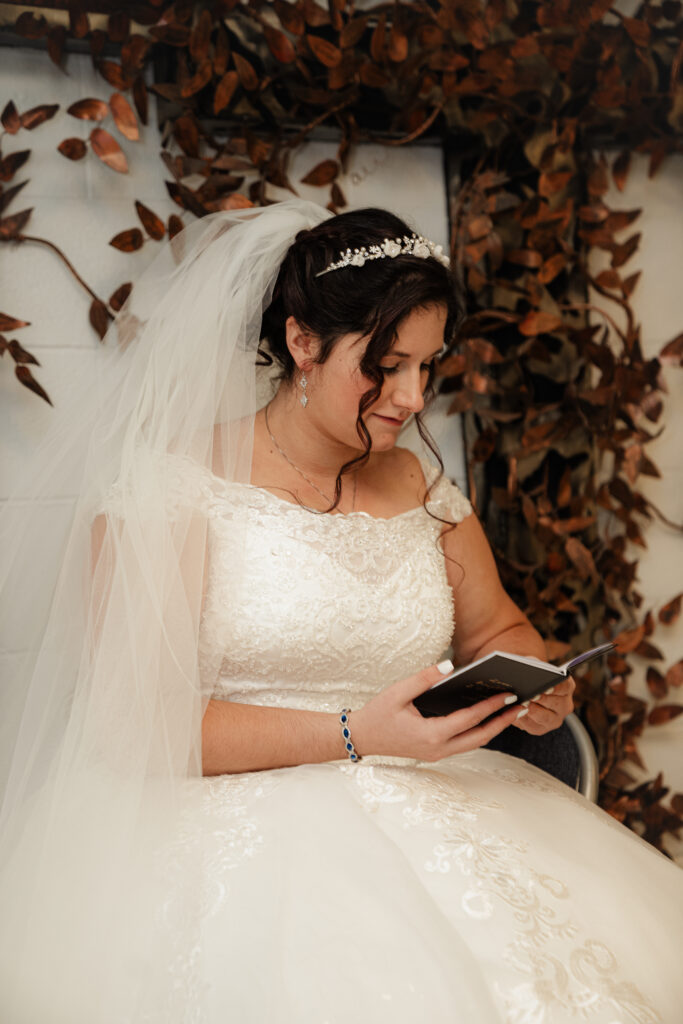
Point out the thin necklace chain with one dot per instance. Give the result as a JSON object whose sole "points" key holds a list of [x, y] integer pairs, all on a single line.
{"points": [[301, 473]]}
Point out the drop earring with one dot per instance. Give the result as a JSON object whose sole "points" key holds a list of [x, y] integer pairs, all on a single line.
{"points": [[303, 383]]}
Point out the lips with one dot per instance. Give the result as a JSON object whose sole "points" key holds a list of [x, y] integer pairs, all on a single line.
{"points": [[390, 419]]}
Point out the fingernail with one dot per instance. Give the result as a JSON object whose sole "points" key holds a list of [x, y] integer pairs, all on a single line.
{"points": [[549, 690], [445, 667], [524, 711], [510, 699], [526, 703]]}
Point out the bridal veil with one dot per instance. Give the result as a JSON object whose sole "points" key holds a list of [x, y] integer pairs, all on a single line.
{"points": [[104, 714]]}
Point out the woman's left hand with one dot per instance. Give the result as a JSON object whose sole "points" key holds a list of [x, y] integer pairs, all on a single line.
{"points": [[548, 711]]}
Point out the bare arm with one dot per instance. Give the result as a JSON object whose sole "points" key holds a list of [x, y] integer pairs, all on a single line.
{"points": [[486, 620]]}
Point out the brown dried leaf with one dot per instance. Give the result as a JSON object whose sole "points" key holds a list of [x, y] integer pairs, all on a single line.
{"points": [[124, 116], [9, 194], [140, 98], [114, 74], [107, 149], [629, 639], [221, 52], [290, 17], [524, 257], [26, 377], [581, 558], [118, 298], [10, 164], [225, 91], [327, 53], [30, 27], [89, 110], [186, 132], [19, 354], [484, 350], [539, 323], [118, 26], [175, 225], [38, 115], [185, 197], [198, 80], [129, 240], [656, 683], [669, 612], [153, 225], [664, 713], [73, 148], [279, 45], [638, 30], [99, 317], [322, 174], [622, 253], [236, 201], [609, 279], [315, 15], [10, 119], [552, 267], [12, 226], [10, 323], [630, 283], [352, 32], [672, 353], [200, 37], [247, 75], [674, 677], [78, 20]]}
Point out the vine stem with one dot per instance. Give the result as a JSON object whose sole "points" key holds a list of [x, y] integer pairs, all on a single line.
{"points": [[56, 249]]}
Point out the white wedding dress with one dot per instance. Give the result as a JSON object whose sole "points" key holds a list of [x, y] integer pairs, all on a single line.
{"points": [[475, 890]]}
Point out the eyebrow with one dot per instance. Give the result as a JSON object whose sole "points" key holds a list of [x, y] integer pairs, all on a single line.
{"points": [[406, 355]]}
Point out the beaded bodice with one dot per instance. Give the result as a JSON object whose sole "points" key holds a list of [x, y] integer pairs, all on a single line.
{"points": [[327, 609]]}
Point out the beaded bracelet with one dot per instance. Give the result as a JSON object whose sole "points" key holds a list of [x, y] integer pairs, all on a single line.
{"points": [[346, 733]]}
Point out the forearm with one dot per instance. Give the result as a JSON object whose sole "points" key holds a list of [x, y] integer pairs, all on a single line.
{"points": [[246, 738], [520, 638]]}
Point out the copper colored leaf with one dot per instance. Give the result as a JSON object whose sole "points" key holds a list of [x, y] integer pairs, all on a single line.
{"points": [[674, 677], [279, 45], [113, 73], [10, 323], [108, 150], [630, 283], [656, 683], [10, 164], [187, 134], [26, 377], [89, 110], [322, 174], [327, 53], [638, 30], [629, 639], [664, 713], [30, 27], [128, 241], [290, 17], [78, 20], [99, 317], [19, 354], [118, 26], [484, 350], [118, 298], [378, 40], [620, 169], [9, 194], [672, 353], [124, 116], [539, 323], [30, 119], [140, 98], [175, 225], [649, 651], [10, 119], [225, 91], [338, 197], [622, 253], [314, 14], [133, 54], [372, 76], [73, 148], [200, 78], [608, 279], [247, 75], [185, 197], [236, 201], [12, 226], [153, 225], [552, 267], [352, 32], [221, 52], [201, 36], [581, 558], [524, 257], [669, 612]]}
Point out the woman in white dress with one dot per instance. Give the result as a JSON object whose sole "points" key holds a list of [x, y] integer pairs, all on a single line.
{"points": [[192, 835]]}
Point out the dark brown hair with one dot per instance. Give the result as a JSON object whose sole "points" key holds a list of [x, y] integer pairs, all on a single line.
{"points": [[372, 300]]}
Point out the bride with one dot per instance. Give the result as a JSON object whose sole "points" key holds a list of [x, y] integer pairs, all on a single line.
{"points": [[223, 804]]}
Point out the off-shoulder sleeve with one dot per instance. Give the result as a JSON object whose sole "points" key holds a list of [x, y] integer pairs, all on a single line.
{"points": [[446, 499]]}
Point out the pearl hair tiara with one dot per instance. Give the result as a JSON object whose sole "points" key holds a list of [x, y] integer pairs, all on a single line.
{"points": [[413, 245]]}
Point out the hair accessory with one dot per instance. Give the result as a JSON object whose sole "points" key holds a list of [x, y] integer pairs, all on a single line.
{"points": [[346, 733], [409, 245], [303, 383]]}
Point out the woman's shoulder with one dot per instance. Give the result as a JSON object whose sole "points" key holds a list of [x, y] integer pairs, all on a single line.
{"points": [[420, 478]]}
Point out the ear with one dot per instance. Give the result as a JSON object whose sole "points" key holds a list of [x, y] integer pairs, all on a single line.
{"points": [[303, 346]]}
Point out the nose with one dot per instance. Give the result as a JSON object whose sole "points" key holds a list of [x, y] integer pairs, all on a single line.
{"points": [[409, 393]]}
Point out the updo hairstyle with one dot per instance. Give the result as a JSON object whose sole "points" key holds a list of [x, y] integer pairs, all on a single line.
{"points": [[372, 300]]}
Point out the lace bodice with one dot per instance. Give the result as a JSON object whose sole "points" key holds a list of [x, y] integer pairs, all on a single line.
{"points": [[332, 608]]}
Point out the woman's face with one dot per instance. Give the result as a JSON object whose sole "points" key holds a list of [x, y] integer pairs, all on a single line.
{"points": [[337, 385]]}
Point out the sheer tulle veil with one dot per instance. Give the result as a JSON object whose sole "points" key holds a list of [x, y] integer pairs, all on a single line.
{"points": [[104, 712]]}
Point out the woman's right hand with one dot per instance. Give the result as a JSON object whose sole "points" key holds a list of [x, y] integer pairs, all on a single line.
{"points": [[391, 724]]}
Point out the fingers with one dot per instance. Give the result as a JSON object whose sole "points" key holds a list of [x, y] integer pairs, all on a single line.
{"points": [[410, 688], [480, 735], [465, 719]]}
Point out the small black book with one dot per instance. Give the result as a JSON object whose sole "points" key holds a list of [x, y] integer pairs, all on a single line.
{"points": [[498, 672]]}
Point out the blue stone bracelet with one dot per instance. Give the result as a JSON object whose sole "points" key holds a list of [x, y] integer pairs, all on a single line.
{"points": [[346, 733]]}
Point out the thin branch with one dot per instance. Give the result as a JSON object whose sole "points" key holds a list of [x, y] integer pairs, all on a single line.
{"points": [[51, 245]]}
